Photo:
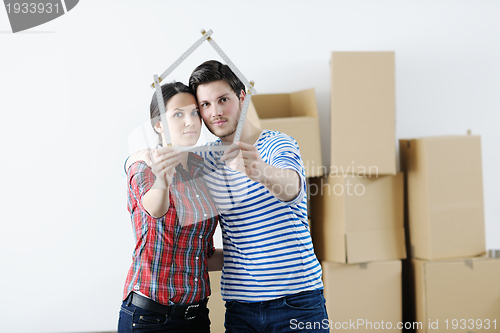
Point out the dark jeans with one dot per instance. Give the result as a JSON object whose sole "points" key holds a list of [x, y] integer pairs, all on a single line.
{"points": [[136, 319], [302, 312]]}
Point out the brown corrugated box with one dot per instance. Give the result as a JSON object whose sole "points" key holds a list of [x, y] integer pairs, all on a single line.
{"points": [[370, 292], [357, 219], [363, 112], [461, 289], [252, 115], [295, 114], [445, 196]]}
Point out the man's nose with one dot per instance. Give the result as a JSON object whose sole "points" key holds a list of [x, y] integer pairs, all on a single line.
{"points": [[217, 111]]}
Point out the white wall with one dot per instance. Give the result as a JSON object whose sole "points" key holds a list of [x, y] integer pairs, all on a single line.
{"points": [[73, 89]]}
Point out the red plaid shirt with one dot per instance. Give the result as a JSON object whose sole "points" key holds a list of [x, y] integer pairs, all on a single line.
{"points": [[169, 263]]}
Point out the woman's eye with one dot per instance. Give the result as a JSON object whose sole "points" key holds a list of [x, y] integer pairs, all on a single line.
{"points": [[196, 113], [177, 114]]}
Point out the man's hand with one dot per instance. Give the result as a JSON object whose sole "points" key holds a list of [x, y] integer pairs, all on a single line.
{"points": [[284, 184], [245, 158]]}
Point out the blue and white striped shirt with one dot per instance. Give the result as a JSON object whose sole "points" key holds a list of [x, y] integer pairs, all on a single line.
{"points": [[268, 251]]}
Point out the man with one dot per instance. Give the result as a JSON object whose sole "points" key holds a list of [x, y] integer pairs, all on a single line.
{"points": [[271, 279]]}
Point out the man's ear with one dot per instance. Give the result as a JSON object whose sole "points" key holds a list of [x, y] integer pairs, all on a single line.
{"points": [[242, 96], [159, 127]]}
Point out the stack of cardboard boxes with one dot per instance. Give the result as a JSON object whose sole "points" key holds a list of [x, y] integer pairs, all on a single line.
{"points": [[450, 283], [357, 211]]}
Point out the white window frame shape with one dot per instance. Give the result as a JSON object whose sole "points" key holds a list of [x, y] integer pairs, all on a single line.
{"points": [[249, 84]]}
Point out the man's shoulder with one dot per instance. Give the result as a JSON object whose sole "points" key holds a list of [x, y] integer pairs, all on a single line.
{"points": [[271, 138]]}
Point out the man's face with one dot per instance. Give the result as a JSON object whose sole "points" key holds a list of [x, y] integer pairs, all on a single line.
{"points": [[219, 107]]}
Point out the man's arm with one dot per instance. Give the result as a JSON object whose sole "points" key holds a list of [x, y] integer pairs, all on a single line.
{"points": [[284, 184]]}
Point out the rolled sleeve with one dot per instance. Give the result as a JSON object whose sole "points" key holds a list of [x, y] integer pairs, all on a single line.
{"points": [[140, 181]]}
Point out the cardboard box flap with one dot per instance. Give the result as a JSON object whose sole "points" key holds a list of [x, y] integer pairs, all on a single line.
{"points": [[303, 103], [272, 106], [297, 104]]}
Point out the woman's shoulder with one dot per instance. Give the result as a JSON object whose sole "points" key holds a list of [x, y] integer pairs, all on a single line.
{"points": [[141, 155]]}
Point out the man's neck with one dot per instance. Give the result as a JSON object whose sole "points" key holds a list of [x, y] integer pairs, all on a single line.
{"points": [[249, 134]]}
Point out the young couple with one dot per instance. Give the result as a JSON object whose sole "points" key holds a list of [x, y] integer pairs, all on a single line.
{"points": [[256, 190]]}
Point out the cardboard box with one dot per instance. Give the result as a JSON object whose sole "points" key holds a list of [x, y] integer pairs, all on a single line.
{"points": [[363, 112], [295, 114], [364, 294], [217, 309], [252, 115], [357, 219], [457, 291], [445, 196]]}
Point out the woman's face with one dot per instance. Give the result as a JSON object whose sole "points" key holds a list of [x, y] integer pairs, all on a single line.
{"points": [[183, 118]]}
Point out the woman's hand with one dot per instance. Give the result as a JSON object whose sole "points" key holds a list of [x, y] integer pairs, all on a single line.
{"points": [[163, 164]]}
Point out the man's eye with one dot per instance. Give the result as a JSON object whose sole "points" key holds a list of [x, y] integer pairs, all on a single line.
{"points": [[223, 99], [204, 105]]}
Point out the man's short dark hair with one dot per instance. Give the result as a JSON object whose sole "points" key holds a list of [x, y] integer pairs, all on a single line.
{"points": [[211, 71]]}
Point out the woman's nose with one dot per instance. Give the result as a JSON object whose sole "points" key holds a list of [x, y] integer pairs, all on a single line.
{"points": [[190, 120]]}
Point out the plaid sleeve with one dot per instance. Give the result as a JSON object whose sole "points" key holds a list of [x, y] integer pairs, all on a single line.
{"points": [[140, 181], [285, 154]]}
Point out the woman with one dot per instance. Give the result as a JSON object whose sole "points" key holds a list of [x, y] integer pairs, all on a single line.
{"points": [[174, 220]]}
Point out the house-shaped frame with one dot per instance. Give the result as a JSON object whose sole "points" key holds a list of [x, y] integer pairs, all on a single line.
{"points": [[249, 84]]}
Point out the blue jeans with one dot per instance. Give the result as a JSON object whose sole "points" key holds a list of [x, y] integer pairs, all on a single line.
{"points": [[302, 312], [136, 319]]}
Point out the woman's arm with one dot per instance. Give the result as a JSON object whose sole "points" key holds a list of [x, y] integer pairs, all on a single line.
{"points": [[141, 155], [156, 201]]}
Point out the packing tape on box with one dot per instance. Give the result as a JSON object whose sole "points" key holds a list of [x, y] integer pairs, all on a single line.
{"points": [[249, 84], [469, 263]]}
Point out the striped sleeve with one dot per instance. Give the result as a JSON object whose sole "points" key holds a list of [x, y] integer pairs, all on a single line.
{"points": [[283, 153]]}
